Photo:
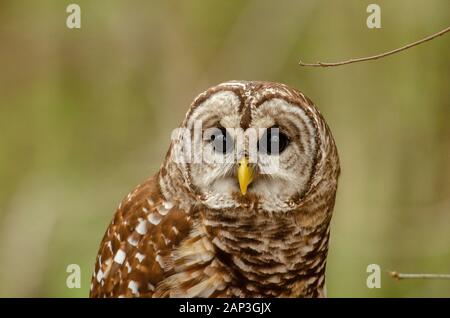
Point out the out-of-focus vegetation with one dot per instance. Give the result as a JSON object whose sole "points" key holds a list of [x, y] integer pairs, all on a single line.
{"points": [[85, 115]]}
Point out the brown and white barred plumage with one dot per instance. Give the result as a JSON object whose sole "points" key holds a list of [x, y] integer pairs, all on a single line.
{"points": [[188, 231]]}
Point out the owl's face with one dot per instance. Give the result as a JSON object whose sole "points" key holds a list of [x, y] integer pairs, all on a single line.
{"points": [[250, 143]]}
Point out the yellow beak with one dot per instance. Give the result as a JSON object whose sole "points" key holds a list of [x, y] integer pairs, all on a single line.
{"points": [[244, 174]]}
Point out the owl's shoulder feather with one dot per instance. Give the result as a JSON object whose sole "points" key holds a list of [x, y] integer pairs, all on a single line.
{"points": [[145, 228]]}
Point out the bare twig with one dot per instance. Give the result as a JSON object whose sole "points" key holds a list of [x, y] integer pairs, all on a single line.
{"points": [[399, 276], [375, 57]]}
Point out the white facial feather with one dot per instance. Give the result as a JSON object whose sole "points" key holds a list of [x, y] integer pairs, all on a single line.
{"points": [[279, 177]]}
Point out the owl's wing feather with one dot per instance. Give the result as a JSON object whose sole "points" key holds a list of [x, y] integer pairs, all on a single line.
{"points": [[145, 228]]}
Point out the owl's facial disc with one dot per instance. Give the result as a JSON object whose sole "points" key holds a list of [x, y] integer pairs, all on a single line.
{"points": [[270, 159]]}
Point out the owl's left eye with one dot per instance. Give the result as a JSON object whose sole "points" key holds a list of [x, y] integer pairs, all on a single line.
{"points": [[273, 142], [221, 140]]}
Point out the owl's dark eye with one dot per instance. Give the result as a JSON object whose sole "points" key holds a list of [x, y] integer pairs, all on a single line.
{"points": [[221, 140], [273, 142]]}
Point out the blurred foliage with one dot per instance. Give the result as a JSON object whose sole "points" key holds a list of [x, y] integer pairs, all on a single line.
{"points": [[85, 115]]}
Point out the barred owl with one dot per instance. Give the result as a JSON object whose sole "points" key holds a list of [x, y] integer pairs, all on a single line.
{"points": [[246, 219]]}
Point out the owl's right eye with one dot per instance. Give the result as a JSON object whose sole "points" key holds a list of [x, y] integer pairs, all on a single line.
{"points": [[221, 140], [273, 142]]}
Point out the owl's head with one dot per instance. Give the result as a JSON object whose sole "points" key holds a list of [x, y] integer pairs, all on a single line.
{"points": [[252, 143]]}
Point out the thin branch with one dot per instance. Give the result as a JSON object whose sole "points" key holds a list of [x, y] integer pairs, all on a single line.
{"points": [[399, 276], [375, 57]]}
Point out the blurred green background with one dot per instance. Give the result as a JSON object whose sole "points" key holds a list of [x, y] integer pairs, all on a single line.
{"points": [[85, 115]]}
